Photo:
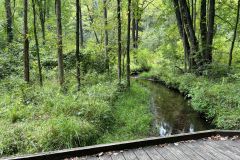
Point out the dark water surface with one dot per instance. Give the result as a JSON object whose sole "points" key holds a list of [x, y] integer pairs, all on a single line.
{"points": [[173, 113]]}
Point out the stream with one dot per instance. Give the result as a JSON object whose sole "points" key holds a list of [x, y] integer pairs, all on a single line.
{"points": [[173, 113]]}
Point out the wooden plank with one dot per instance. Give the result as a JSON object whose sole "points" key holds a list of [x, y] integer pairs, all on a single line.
{"points": [[199, 151], [105, 157], [92, 158], [223, 150], [129, 155], [228, 146], [117, 156], [189, 152], [153, 154], [165, 153], [90, 150], [179, 154], [213, 151], [141, 154]]}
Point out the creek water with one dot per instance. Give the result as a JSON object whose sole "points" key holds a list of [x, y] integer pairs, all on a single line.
{"points": [[173, 113]]}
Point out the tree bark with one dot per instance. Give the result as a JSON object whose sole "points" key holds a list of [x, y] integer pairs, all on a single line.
{"points": [[234, 35], [26, 43], [92, 22], [105, 14], [210, 35], [81, 24], [59, 42], [128, 43], [134, 30], [36, 43], [77, 44], [203, 28], [183, 34], [9, 20], [119, 40], [189, 25], [190, 33], [42, 16]]}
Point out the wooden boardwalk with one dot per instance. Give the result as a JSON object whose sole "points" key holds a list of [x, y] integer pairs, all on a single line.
{"points": [[226, 149], [222, 145]]}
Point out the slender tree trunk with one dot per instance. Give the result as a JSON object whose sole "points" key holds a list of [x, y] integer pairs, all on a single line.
{"points": [[42, 15], [26, 43], [188, 26], [234, 35], [195, 15], [81, 24], [203, 27], [77, 43], [137, 33], [134, 30], [92, 22], [36, 43], [128, 43], [182, 34], [119, 40], [9, 20], [106, 34], [210, 35], [186, 13], [59, 43]]}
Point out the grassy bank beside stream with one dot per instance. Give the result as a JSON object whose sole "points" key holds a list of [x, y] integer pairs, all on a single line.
{"points": [[33, 121], [215, 95]]}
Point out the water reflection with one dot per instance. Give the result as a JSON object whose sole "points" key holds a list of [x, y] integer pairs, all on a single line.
{"points": [[173, 113]]}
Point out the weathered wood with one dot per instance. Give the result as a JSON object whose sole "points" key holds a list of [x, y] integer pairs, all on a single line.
{"points": [[189, 152], [141, 154], [203, 153], [214, 152], [222, 149], [91, 150], [105, 157], [166, 154], [129, 155], [153, 154], [117, 156], [178, 153]]}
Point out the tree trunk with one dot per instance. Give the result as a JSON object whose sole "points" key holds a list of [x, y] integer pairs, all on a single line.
{"points": [[106, 34], [42, 15], [77, 44], [195, 15], [188, 26], [36, 43], [133, 30], [210, 35], [119, 40], [9, 20], [26, 43], [92, 22], [234, 35], [203, 27], [137, 33], [182, 34], [59, 43], [81, 24], [186, 14], [128, 43]]}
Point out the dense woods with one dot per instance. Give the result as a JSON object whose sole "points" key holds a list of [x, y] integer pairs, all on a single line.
{"points": [[66, 66]]}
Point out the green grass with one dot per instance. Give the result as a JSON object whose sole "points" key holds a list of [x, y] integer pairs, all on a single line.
{"points": [[35, 119], [132, 116]]}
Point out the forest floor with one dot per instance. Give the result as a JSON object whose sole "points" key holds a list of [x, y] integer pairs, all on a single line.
{"points": [[36, 119]]}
